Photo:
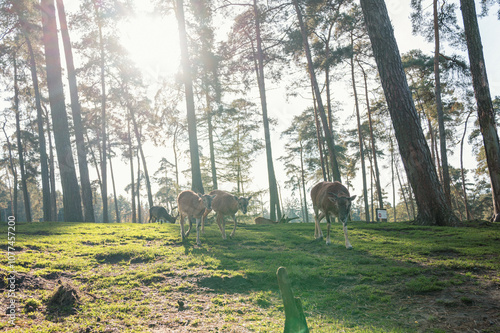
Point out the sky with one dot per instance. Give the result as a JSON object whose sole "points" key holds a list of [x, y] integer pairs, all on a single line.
{"points": [[152, 41]]}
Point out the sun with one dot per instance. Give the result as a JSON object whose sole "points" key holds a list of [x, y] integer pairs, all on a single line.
{"points": [[152, 42]]}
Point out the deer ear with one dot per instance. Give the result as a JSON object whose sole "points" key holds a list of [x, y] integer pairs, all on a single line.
{"points": [[352, 198]]}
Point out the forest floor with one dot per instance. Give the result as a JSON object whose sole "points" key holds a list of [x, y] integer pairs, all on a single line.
{"points": [[141, 278]]}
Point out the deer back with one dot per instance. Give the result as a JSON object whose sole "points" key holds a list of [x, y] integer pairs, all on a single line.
{"points": [[190, 204], [225, 203]]}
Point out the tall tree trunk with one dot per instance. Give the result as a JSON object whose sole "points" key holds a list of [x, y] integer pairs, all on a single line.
{"points": [[52, 170], [321, 110], [433, 209], [484, 103], [462, 173], [139, 210], [104, 173], [439, 107], [360, 139], [132, 189], [143, 157], [13, 170], [373, 145], [20, 153], [72, 201], [303, 181], [392, 179], [88, 208], [117, 211], [211, 142], [41, 135], [196, 182], [275, 209], [176, 161], [319, 139]]}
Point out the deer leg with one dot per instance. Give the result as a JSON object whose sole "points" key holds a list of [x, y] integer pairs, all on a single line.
{"points": [[182, 228], [347, 243], [234, 229], [198, 222], [316, 235], [221, 226], [190, 219], [328, 241], [203, 219]]}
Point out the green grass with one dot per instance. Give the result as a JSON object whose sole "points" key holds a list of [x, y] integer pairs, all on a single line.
{"points": [[133, 278]]}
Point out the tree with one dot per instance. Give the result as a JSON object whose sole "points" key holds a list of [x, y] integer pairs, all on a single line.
{"points": [[77, 117], [317, 94], [484, 102], [71, 190], [433, 208], [196, 182]]}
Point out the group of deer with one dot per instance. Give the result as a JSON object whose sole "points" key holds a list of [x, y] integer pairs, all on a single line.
{"points": [[330, 199], [197, 206]]}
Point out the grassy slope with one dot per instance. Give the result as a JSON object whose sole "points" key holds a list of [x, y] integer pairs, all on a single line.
{"points": [[398, 278]]}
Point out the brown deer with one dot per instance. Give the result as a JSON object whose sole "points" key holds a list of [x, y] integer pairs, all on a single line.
{"points": [[283, 219], [193, 205], [331, 199], [157, 213], [226, 204]]}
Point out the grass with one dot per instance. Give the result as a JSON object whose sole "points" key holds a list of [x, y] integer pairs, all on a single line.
{"points": [[141, 278]]}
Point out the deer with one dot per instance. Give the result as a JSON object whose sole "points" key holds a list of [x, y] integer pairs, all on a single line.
{"points": [[225, 204], [193, 205], [157, 213], [331, 199]]}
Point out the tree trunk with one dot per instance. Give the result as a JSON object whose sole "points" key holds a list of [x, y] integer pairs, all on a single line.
{"points": [[132, 189], [373, 146], [117, 211], [26, 196], [433, 208], [139, 146], [139, 210], [14, 173], [439, 107], [484, 103], [462, 173], [360, 139], [303, 181], [72, 201], [211, 142], [104, 173], [275, 209], [196, 182], [392, 179], [88, 207], [321, 110], [52, 170]]}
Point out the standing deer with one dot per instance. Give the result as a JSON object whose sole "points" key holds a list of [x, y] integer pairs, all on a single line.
{"points": [[331, 199], [157, 213], [193, 205], [226, 204]]}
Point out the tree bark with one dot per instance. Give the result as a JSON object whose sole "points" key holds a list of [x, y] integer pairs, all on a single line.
{"points": [[484, 103], [132, 189], [117, 211], [439, 107], [20, 153], [88, 207], [275, 209], [433, 208], [314, 82], [373, 145], [72, 201], [196, 182], [104, 173], [13, 171], [52, 170], [360, 138]]}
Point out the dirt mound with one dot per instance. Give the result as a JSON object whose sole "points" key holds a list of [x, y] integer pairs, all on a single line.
{"points": [[65, 299]]}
